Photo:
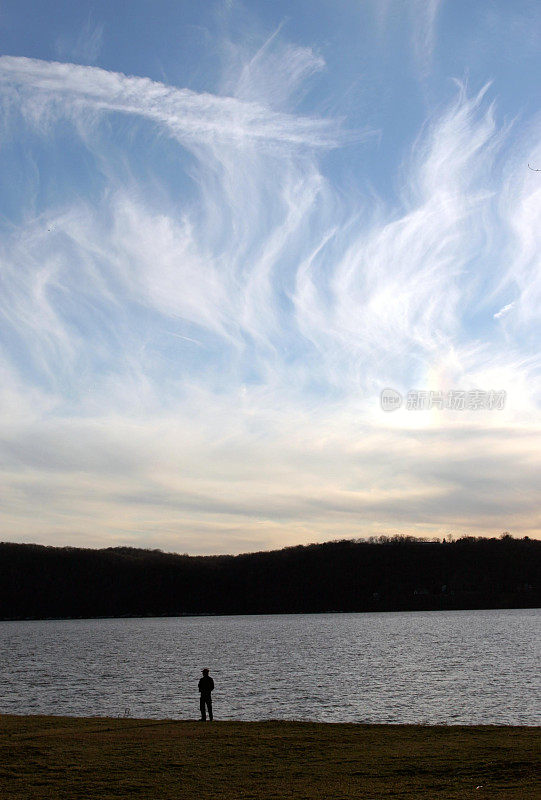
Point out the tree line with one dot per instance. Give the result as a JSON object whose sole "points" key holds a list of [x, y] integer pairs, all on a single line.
{"points": [[381, 574]]}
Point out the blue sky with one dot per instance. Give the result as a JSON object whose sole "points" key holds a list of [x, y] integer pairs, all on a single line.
{"points": [[225, 228]]}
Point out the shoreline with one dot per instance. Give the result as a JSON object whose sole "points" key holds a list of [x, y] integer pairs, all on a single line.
{"points": [[101, 758], [270, 721], [182, 615]]}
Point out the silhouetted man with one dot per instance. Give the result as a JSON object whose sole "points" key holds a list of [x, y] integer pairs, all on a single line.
{"points": [[206, 685]]}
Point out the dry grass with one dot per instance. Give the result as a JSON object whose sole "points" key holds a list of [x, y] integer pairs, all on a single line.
{"points": [[67, 758]]}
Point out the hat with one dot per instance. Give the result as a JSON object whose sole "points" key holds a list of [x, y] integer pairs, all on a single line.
{"points": [[204, 670]]}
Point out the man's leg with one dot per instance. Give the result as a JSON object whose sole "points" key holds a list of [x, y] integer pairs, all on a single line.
{"points": [[202, 707], [209, 706]]}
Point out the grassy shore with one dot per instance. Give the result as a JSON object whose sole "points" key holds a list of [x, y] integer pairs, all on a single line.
{"points": [[101, 759]]}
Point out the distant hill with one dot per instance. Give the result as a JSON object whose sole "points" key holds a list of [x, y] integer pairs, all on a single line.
{"points": [[400, 573]]}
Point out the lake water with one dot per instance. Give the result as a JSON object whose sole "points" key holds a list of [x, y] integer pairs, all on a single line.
{"points": [[451, 667]]}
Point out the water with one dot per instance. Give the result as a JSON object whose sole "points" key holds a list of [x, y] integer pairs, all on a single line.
{"points": [[467, 667]]}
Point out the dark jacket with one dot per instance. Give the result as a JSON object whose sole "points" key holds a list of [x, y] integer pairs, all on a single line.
{"points": [[206, 685]]}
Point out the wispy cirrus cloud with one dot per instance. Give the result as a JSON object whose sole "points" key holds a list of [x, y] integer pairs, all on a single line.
{"points": [[424, 18], [83, 48], [45, 89], [419, 20], [204, 351]]}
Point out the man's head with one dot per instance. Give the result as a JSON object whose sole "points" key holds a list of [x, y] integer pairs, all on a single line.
{"points": [[205, 671]]}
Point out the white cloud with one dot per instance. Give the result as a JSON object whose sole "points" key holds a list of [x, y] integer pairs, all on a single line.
{"points": [[503, 311], [204, 371], [48, 89], [419, 18], [85, 47], [424, 30], [277, 72]]}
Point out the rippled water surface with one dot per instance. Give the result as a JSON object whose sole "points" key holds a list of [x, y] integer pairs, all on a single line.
{"points": [[433, 667]]}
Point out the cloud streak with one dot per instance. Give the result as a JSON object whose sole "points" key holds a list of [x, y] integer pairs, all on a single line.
{"points": [[48, 87], [424, 26]]}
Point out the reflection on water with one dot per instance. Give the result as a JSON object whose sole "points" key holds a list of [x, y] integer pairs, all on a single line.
{"points": [[431, 667]]}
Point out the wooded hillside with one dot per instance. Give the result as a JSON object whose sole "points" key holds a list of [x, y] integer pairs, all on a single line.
{"points": [[400, 573]]}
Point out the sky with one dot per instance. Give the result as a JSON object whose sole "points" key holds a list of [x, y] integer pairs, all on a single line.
{"points": [[226, 228]]}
